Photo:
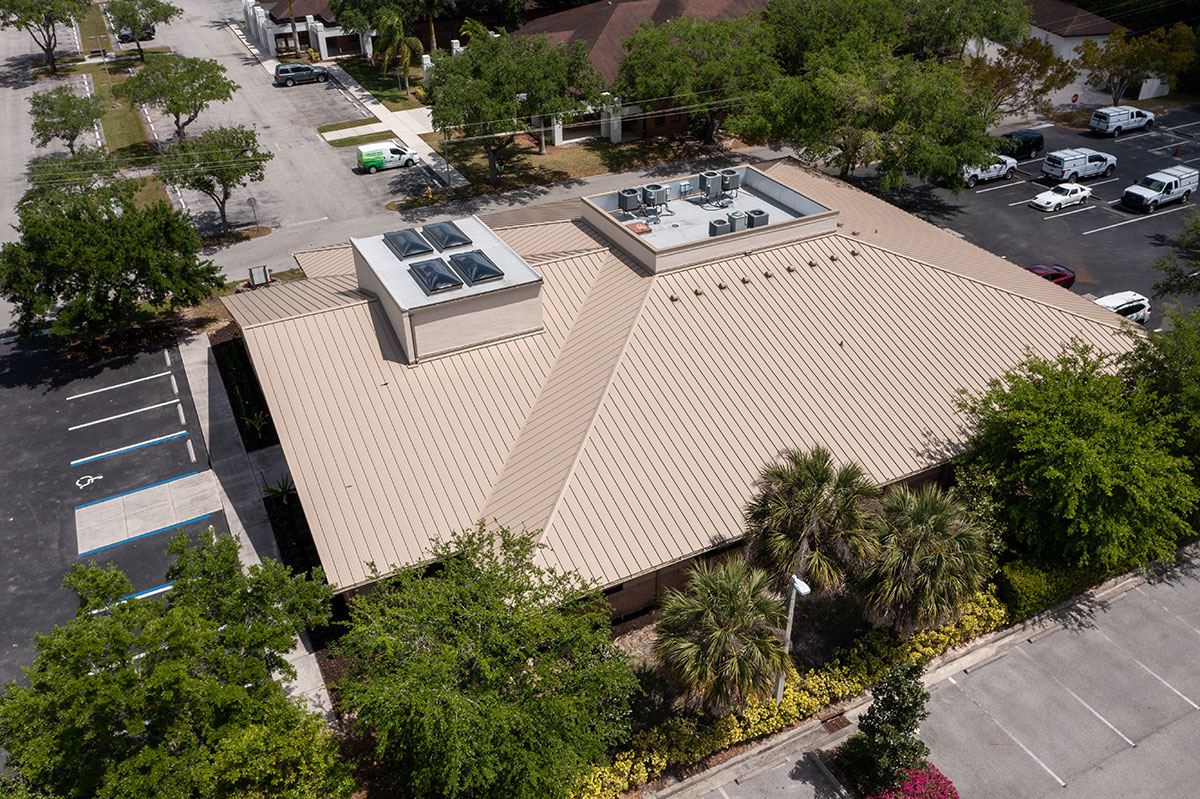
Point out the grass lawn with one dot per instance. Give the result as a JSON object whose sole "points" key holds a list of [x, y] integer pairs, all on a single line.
{"points": [[350, 123], [92, 31], [122, 122], [366, 138], [524, 167], [385, 87]]}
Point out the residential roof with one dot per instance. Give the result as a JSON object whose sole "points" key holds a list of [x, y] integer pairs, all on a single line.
{"points": [[632, 429], [302, 9], [604, 25], [1064, 19]]}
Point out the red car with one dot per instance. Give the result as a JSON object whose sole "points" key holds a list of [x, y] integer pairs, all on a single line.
{"points": [[1055, 273]]}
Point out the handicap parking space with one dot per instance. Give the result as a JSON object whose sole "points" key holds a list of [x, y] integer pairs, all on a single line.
{"points": [[102, 464]]}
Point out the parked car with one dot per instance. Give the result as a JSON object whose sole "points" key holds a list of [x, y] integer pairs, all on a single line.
{"points": [[1173, 184], [125, 35], [1130, 304], [1080, 162], [1055, 273], [291, 74], [385, 155], [1117, 119], [1002, 167], [1061, 196], [1022, 143]]}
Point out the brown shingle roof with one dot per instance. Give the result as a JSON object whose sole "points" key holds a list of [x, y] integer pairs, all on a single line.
{"points": [[1064, 19], [604, 25], [302, 9]]}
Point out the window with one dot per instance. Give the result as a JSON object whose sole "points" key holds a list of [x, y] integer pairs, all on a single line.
{"points": [[660, 119]]}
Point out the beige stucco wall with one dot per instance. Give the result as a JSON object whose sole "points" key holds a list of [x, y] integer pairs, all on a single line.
{"points": [[450, 326]]}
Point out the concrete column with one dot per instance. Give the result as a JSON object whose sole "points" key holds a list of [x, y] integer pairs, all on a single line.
{"points": [[615, 130], [455, 47], [368, 49], [426, 70], [316, 37], [556, 131]]}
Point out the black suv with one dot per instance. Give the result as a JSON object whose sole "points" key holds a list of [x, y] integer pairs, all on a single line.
{"points": [[1022, 144], [291, 74]]}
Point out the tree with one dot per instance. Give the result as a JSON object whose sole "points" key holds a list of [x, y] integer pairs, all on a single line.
{"points": [[809, 27], [1082, 463], [89, 256], [886, 745], [486, 676], [62, 114], [139, 16], [913, 118], [932, 560], [1019, 80], [396, 45], [1167, 364], [215, 163], [179, 87], [86, 169], [363, 16], [810, 517], [174, 696], [430, 9], [1181, 277], [1124, 58], [703, 66], [559, 81], [941, 30], [41, 18], [720, 639]]}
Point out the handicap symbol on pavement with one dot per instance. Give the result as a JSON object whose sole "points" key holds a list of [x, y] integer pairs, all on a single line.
{"points": [[87, 480]]}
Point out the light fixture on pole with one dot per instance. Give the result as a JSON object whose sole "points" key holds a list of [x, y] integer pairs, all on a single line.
{"points": [[795, 586]]}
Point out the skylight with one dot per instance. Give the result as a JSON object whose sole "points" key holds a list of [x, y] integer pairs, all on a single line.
{"points": [[434, 276], [476, 267], [446, 235], [406, 243]]}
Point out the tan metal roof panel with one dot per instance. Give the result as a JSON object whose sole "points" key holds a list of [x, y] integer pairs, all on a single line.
{"points": [[294, 298], [559, 211], [326, 261], [553, 241]]}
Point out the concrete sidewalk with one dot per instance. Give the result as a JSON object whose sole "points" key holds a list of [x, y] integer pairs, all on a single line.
{"points": [[241, 481], [350, 133]]}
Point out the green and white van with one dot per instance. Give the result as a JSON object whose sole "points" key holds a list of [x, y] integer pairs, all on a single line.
{"points": [[385, 155]]}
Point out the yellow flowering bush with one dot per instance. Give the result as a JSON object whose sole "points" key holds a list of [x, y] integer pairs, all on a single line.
{"points": [[689, 738]]}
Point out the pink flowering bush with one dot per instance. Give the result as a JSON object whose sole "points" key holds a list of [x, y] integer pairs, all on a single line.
{"points": [[922, 782]]}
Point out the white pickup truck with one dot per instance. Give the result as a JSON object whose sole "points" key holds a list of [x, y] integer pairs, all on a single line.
{"points": [[1081, 162], [1173, 184]]}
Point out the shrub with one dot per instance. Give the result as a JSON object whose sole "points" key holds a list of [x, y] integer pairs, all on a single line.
{"points": [[690, 738], [923, 782], [886, 747], [1027, 588]]}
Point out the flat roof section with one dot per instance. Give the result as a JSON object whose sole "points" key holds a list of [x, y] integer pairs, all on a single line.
{"points": [[686, 220]]}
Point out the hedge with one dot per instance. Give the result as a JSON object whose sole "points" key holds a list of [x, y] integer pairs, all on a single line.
{"points": [[1027, 588], [687, 739]]}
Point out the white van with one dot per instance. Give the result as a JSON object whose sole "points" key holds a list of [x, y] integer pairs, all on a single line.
{"points": [[1070, 165], [1117, 119], [1175, 183], [385, 155]]}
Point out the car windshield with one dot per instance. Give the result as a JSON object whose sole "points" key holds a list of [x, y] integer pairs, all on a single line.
{"points": [[1151, 183], [1060, 190]]}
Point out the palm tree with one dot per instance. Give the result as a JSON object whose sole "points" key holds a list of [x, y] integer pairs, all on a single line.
{"points": [[810, 518], [394, 44], [720, 638], [430, 8], [932, 560]]}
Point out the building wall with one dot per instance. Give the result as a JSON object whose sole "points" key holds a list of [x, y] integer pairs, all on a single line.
{"points": [[471, 321]]}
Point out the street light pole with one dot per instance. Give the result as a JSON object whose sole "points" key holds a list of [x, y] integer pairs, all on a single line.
{"points": [[795, 586]]}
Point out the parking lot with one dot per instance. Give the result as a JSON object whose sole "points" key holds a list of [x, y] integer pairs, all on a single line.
{"points": [[1105, 708], [1109, 247], [104, 464]]}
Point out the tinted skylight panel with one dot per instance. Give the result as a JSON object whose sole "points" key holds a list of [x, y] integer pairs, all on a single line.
{"points": [[406, 243], [445, 235], [434, 275], [476, 267]]}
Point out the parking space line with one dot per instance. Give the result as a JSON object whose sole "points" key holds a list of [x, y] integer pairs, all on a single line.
{"points": [[1021, 202], [997, 188], [1166, 146], [1138, 219], [191, 451], [1186, 125], [130, 413], [1151, 672], [1079, 699], [1164, 607], [1068, 213], [118, 385], [167, 355], [179, 407], [130, 448], [1004, 730], [144, 535], [134, 491], [174, 385], [1101, 183], [1137, 135]]}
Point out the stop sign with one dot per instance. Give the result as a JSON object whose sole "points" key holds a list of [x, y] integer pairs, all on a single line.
{"points": [[1074, 98]]}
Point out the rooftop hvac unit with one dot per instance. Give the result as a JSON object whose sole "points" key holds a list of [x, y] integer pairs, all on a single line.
{"points": [[718, 227], [629, 199], [731, 180], [757, 217], [654, 194], [710, 184], [737, 221]]}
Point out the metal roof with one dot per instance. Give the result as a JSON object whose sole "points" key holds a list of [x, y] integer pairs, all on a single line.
{"points": [[631, 430]]}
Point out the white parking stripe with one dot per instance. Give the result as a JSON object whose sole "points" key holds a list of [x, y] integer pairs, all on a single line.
{"points": [[1068, 213], [1136, 135], [1005, 186], [179, 408], [1004, 730], [1079, 699], [1190, 160], [1101, 183], [1164, 607], [1151, 673], [1166, 146], [1138, 219], [128, 413], [1021, 202], [119, 385], [1177, 127]]}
